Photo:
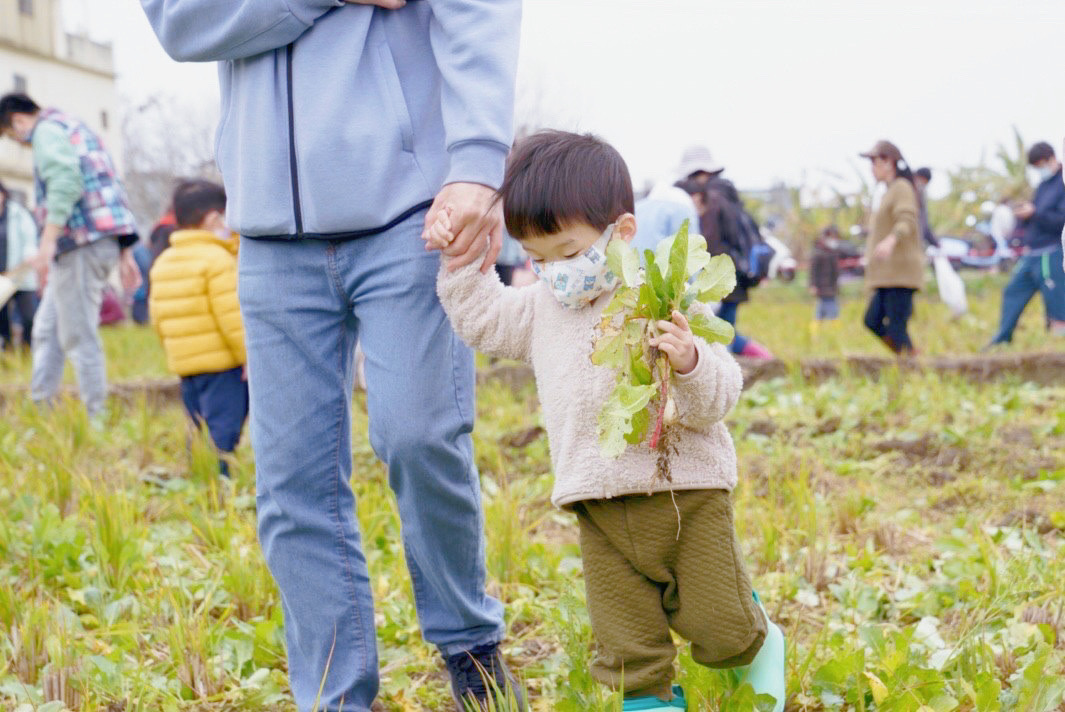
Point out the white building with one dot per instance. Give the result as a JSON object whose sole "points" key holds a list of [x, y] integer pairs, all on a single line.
{"points": [[56, 69]]}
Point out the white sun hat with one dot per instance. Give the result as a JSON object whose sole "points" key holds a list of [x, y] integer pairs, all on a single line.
{"points": [[698, 158]]}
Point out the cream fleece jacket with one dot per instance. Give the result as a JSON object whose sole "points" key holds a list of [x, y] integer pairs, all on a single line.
{"points": [[528, 324]]}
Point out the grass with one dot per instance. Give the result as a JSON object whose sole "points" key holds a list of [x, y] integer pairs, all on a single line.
{"points": [[908, 533]]}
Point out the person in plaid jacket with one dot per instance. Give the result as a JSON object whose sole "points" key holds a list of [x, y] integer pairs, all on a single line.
{"points": [[86, 228]]}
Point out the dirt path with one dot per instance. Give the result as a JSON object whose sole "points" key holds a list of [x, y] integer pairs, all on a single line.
{"points": [[1044, 368]]}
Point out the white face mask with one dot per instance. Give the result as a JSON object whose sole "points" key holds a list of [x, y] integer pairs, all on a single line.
{"points": [[1036, 175], [576, 282]]}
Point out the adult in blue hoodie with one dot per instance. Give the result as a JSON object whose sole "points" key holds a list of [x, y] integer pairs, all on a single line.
{"points": [[1040, 268], [341, 122]]}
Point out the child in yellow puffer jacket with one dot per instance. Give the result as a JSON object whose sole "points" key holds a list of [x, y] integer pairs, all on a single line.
{"points": [[193, 306]]}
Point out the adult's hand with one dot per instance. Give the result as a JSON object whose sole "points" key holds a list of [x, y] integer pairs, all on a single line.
{"points": [[128, 271], [46, 253], [476, 215], [386, 4], [1024, 211]]}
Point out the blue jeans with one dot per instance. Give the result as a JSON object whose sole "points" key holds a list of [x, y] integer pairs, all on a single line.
{"points": [[888, 316], [827, 309], [729, 311], [304, 305], [1034, 273], [219, 401]]}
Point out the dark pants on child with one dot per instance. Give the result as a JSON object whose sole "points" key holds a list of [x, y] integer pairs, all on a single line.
{"points": [[889, 312], [219, 401], [827, 309], [642, 579], [24, 303], [1033, 273], [729, 311]]}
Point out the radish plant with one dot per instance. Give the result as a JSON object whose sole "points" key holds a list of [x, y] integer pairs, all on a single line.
{"points": [[676, 275]]}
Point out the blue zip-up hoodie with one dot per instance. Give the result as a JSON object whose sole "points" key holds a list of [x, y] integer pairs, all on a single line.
{"points": [[1043, 230], [340, 120]]}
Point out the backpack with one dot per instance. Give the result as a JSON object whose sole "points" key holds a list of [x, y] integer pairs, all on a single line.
{"points": [[742, 238]]}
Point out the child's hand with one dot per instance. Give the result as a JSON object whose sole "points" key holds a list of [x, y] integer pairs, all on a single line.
{"points": [[675, 340], [439, 234]]}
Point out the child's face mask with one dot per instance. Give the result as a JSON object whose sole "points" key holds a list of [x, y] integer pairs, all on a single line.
{"points": [[576, 282]]}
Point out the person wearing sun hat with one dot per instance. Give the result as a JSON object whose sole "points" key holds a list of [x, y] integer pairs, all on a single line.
{"points": [[895, 260], [722, 221], [697, 163]]}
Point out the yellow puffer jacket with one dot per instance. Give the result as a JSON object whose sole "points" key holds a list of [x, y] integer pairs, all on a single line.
{"points": [[193, 303]]}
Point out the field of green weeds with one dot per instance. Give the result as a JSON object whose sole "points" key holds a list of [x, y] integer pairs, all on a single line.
{"points": [[907, 532]]}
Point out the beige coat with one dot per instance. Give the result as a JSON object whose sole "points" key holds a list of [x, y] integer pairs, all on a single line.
{"points": [[896, 215], [528, 324]]}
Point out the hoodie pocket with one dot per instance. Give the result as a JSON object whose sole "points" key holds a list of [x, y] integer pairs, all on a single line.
{"points": [[388, 76]]}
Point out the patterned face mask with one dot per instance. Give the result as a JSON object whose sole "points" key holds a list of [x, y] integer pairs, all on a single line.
{"points": [[576, 282]]}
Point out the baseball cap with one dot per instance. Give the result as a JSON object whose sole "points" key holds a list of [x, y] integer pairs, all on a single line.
{"points": [[884, 149]]}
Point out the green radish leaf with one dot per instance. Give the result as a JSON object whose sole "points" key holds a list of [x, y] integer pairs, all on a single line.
{"points": [[698, 257], [649, 300], [718, 280], [641, 423], [711, 329], [678, 263], [641, 372], [624, 300], [691, 295], [610, 350], [676, 274], [616, 418], [623, 261], [658, 286]]}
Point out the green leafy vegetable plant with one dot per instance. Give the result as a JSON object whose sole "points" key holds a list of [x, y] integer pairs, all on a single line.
{"points": [[678, 273]]}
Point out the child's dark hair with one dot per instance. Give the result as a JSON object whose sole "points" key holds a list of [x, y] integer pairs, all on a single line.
{"points": [[15, 103], [555, 179], [193, 199]]}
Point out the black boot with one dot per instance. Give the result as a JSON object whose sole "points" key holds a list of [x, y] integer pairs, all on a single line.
{"points": [[480, 672]]}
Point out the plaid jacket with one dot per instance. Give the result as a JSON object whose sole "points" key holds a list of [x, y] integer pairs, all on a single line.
{"points": [[103, 210]]}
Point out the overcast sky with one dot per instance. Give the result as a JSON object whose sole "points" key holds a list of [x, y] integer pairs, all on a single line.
{"points": [[776, 89]]}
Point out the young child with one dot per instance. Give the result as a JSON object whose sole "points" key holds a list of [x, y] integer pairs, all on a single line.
{"points": [[565, 197], [193, 306], [824, 274]]}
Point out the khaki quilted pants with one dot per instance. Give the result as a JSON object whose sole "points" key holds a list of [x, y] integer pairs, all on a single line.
{"points": [[642, 580]]}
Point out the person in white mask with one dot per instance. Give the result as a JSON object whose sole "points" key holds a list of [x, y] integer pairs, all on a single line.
{"points": [[1040, 268], [565, 198]]}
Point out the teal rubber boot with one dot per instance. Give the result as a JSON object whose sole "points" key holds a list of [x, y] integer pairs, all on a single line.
{"points": [[654, 704], [767, 673]]}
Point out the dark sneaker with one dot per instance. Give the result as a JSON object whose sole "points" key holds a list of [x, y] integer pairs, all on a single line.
{"points": [[480, 673]]}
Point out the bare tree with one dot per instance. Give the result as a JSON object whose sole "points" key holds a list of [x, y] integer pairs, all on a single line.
{"points": [[165, 139]]}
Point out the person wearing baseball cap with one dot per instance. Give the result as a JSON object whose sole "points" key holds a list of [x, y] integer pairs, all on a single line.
{"points": [[1040, 268], [895, 261]]}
